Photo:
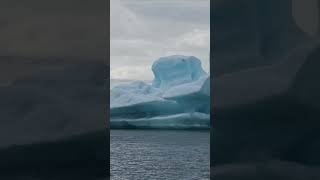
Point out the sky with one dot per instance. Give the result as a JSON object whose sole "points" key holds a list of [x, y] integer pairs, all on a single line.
{"points": [[142, 31]]}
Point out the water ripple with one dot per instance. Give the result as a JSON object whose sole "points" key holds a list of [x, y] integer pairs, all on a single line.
{"points": [[157, 155]]}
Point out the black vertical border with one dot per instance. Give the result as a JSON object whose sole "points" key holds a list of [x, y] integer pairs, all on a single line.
{"points": [[211, 85], [108, 82]]}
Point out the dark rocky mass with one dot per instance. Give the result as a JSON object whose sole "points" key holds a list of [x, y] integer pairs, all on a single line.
{"points": [[265, 93]]}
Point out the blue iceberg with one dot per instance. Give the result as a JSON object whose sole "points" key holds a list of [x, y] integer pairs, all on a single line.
{"points": [[177, 98]]}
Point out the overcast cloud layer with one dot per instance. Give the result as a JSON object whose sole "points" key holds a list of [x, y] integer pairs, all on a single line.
{"points": [[144, 30]]}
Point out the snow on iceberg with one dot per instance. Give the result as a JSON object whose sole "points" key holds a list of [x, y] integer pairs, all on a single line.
{"points": [[178, 97]]}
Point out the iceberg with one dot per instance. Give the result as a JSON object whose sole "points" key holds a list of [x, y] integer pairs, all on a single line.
{"points": [[177, 98], [176, 70]]}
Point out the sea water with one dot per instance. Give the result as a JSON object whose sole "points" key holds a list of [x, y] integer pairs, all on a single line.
{"points": [[159, 154]]}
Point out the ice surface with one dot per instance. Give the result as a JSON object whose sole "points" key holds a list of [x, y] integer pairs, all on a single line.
{"points": [[176, 70], [134, 93], [176, 121], [178, 97]]}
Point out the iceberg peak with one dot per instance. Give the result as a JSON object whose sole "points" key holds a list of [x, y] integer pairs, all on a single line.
{"points": [[175, 70]]}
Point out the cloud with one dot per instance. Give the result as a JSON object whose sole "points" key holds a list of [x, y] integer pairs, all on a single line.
{"points": [[143, 31], [131, 72], [136, 47], [124, 23], [175, 10], [196, 39]]}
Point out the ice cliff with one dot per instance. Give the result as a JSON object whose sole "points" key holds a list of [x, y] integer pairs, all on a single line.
{"points": [[178, 97]]}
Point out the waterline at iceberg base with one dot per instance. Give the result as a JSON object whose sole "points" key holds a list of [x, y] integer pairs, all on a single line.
{"points": [[177, 98]]}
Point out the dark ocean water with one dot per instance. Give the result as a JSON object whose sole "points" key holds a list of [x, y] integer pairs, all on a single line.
{"points": [[159, 154]]}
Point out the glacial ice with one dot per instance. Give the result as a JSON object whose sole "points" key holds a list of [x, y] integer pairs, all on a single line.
{"points": [[177, 98], [176, 121], [176, 70]]}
